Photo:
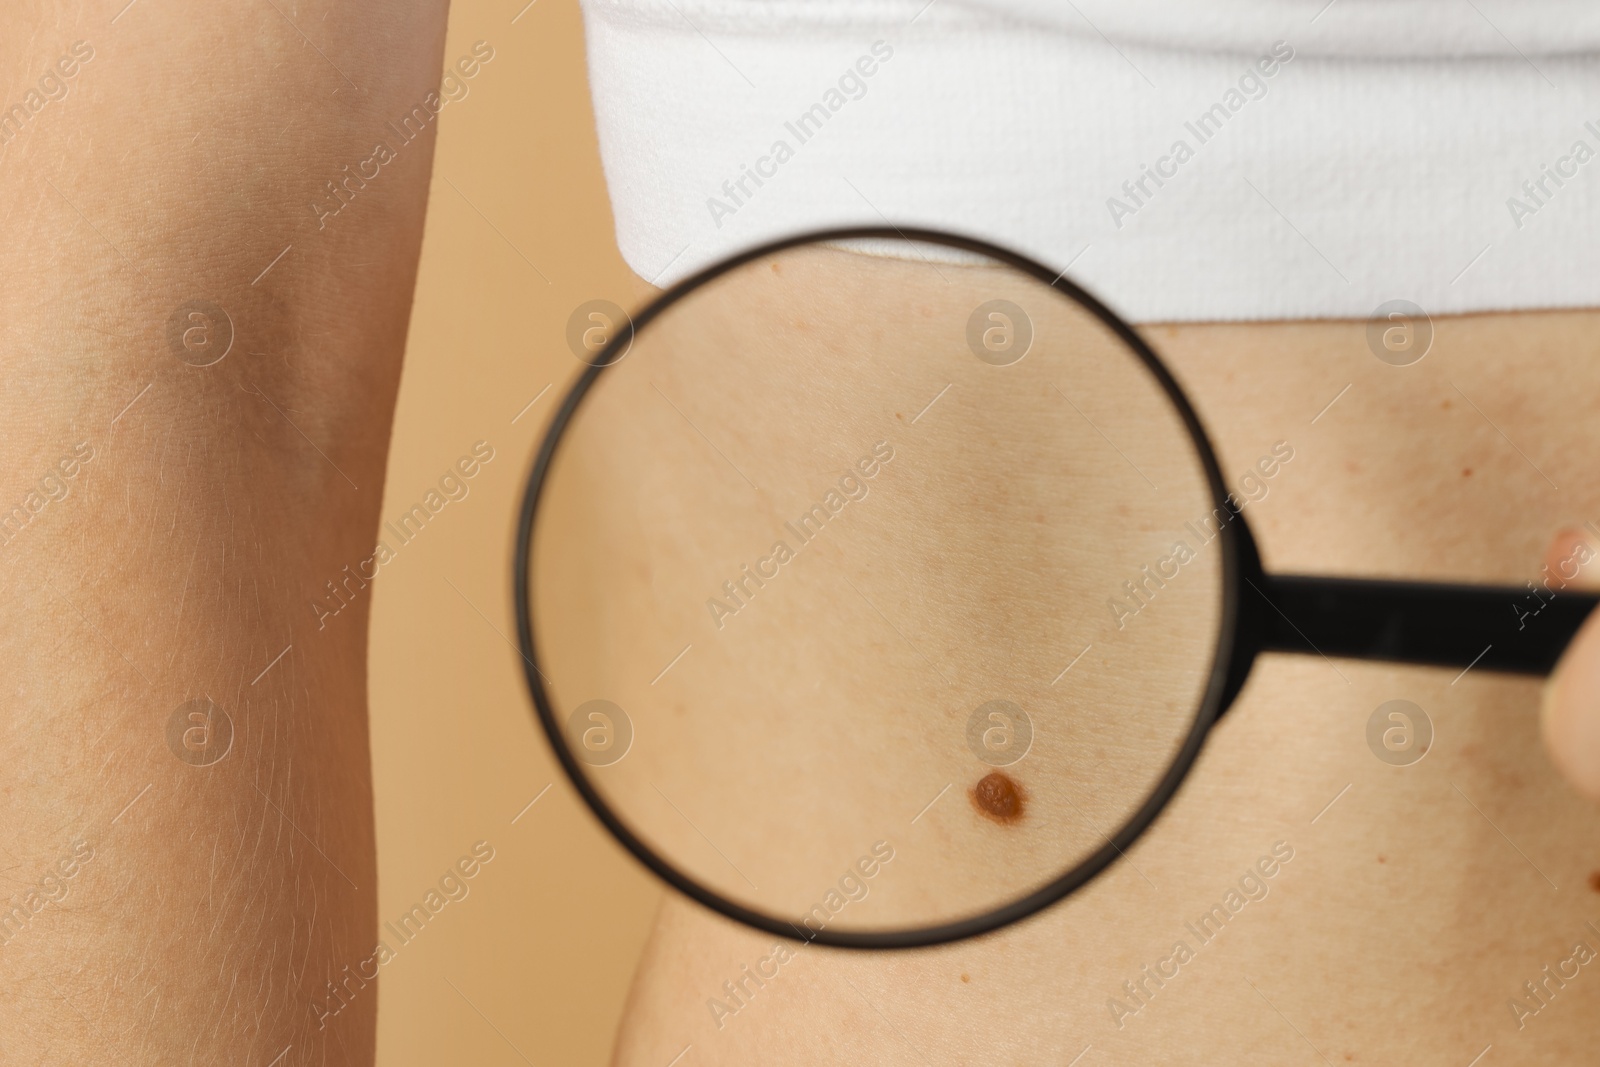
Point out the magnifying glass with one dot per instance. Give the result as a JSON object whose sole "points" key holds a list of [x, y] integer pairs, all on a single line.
{"points": [[878, 587]]}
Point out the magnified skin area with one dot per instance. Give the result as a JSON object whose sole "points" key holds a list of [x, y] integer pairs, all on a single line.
{"points": [[835, 595], [1404, 921]]}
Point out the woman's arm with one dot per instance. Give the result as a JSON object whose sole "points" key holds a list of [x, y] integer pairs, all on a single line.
{"points": [[213, 215]]}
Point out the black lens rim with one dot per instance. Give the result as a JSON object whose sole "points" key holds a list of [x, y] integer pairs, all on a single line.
{"points": [[1211, 705]]}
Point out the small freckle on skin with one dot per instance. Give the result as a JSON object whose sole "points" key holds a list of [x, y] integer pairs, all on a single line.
{"points": [[1594, 881], [999, 798], [1466, 472], [1381, 859], [966, 978]]}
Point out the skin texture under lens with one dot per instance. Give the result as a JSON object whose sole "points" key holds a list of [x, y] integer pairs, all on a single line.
{"points": [[768, 691]]}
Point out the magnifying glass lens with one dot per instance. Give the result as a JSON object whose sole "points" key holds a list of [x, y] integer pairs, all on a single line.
{"points": [[875, 586]]}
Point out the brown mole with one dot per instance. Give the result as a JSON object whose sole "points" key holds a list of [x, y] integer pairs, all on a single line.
{"points": [[999, 798], [1594, 881]]}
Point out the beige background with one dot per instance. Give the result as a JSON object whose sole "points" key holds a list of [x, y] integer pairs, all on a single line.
{"points": [[540, 953]]}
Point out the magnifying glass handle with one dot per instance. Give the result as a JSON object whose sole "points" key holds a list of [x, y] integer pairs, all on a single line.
{"points": [[1490, 628]]}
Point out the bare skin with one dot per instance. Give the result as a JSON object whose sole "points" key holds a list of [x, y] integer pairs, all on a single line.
{"points": [[1415, 903], [206, 908], [181, 904]]}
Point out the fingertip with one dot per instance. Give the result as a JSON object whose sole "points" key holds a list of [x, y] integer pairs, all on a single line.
{"points": [[1571, 558], [1570, 712]]}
